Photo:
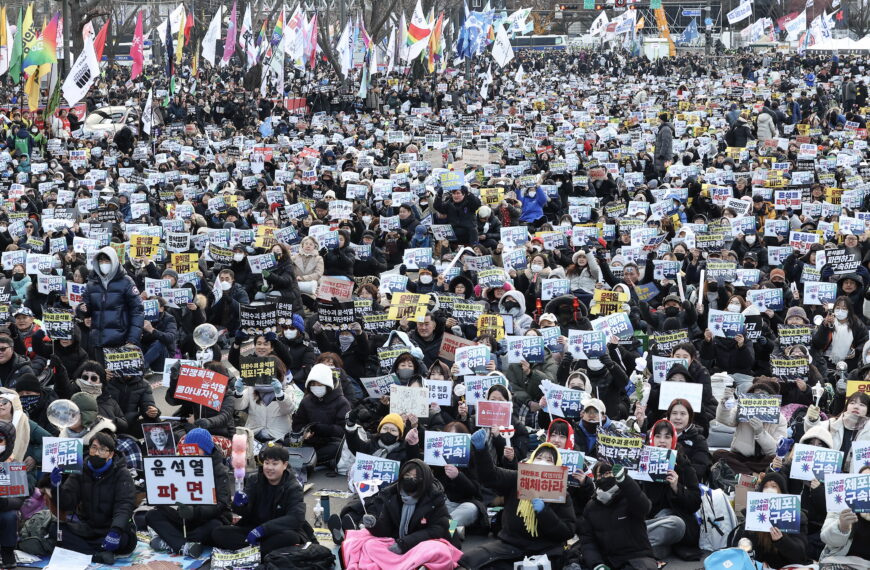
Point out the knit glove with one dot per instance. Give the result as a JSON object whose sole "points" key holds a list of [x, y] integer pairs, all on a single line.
{"points": [[240, 499], [112, 541], [757, 425], [369, 521], [56, 477], [538, 505], [278, 389], [813, 413], [478, 439], [239, 387], [395, 548], [255, 535]]}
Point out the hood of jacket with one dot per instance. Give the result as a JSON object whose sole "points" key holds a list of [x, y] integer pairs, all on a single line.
{"points": [[516, 296], [113, 258]]}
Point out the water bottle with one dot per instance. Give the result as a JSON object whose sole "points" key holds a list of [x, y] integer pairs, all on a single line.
{"points": [[318, 516], [324, 505]]}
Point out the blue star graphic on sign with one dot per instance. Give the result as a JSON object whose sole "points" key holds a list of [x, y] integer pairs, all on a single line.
{"points": [[761, 517]]}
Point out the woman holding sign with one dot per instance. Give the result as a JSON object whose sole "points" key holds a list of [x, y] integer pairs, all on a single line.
{"points": [[850, 426], [845, 535], [841, 335], [9, 506]]}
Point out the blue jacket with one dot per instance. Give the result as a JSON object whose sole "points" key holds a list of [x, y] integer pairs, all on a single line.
{"points": [[115, 306], [533, 208]]}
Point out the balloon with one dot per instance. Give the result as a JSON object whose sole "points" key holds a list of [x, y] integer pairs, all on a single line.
{"points": [[63, 413], [205, 335]]}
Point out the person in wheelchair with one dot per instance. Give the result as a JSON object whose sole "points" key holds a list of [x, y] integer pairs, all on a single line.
{"points": [[186, 528]]}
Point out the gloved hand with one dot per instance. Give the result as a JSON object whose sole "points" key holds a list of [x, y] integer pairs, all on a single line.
{"points": [[278, 388], [538, 505], [618, 473], [240, 499], [239, 386], [202, 423], [271, 336], [56, 477], [241, 335], [640, 364], [316, 327], [266, 273], [185, 512], [756, 425], [813, 413], [255, 535], [395, 548], [478, 439], [784, 446], [369, 521], [602, 567], [112, 541], [728, 393], [352, 418]]}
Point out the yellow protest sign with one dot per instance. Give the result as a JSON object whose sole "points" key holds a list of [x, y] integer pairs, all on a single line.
{"points": [[409, 306], [185, 262], [491, 324], [265, 236], [144, 246]]}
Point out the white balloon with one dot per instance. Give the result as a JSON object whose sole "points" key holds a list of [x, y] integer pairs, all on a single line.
{"points": [[205, 335], [63, 413]]}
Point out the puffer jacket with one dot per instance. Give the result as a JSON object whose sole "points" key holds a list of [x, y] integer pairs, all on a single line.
{"points": [[765, 127], [115, 306], [522, 321], [99, 503], [339, 261], [282, 279], [286, 512], [273, 417], [326, 414], [134, 396]]}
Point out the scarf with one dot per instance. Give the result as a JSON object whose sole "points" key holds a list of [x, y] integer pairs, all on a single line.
{"points": [[384, 450], [409, 505], [89, 387], [266, 393]]}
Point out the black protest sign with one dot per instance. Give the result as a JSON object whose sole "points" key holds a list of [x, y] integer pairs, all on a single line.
{"points": [[795, 334], [665, 342], [220, 254], [284, 313], [335, 316], [842, 260], [752, 327], [58, 323], [124, 361], [257, 370], [258, 319], [790, 367]]}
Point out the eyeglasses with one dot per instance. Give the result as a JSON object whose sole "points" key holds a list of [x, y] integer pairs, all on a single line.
{"points": [[99, 449], [4, 348]]}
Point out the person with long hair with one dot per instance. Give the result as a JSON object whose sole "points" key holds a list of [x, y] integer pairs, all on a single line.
{"points": [[850, 426], [842, 334]]}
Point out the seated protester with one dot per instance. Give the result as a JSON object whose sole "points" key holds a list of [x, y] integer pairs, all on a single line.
{"points": [[513, 303], [651, 412], [90, 378], [414, 519], [185, 529], [754, 442], [671, 521], [136, 399], [352, 345], [69, 352], [407, 368], [775, 548], [268, 411], [612, 531], [842, 534], [350, 388], [12, 365], [272, 508], [320, 413], [731, 355], [217, 422], [35, 399], [800, 391], [586, 435], [264, 345], [850, 426], [159, 338], [32, 339], [608, 380], [11, 411], [812, 492], [692, 441], [525, 380], [9, 506], [461, 487], [502, 454], [294, 350], [698, 374], [224, 313], [529, 527], [388, 442], [561, 434], [427, 335], [842, 335], [99, 503]]}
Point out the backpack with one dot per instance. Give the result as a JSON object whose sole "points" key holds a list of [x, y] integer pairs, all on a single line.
{"points": [[716, 517], [730, 559], [722, 476], [308, 557]]}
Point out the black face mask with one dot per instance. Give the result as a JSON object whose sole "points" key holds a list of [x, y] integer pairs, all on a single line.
{"points": [[672, 311], [410, 486], [96, 461], [680, 256], [605, 484], [18, 276], [388, 438]]}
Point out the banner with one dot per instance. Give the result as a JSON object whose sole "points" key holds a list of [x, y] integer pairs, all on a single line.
{"points": [[185, 480], [443, 448], [228, 559], [740, 13], [201, 386], [546, 482]]}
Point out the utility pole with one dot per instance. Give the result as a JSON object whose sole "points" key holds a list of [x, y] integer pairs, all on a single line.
{"points": [[67, 24]]}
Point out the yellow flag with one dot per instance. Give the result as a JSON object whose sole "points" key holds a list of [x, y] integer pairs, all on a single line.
{"points": [[179, 52], [34, 78], [3, 28], [28, 36]]}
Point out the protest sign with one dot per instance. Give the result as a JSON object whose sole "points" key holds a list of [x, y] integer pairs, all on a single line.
{"points": [[529, 348], [766, 299], [339, 316], [185, 480], [850, 491], [765, 511], [201, 386], [369, 468], [408, 306], [790, 367], [57, 323], [655, 462], [409, 400], [142, 246], [661, 365], [617, 325], [492, 413], [62, 452], [840, 260], [546, 482], [13, 480], [222, 559], [575, 461], [124, 361], [853, 386], [449, 344], [257, 370], [810, 462], [794, 334], [562, 402], [476, 387], [670, 391], [493, 325], [329, 287], [761, 406], [377, 386], [472, 359], [819, 293], [860, 456], [387, 356], [159, 439], [587, 344], [258, 319], [725, 324], [440, 391], [555, 287], [444, 448], [618, 447], [468, 313]]}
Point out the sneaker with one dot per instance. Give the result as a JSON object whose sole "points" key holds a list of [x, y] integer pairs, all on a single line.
{"points": [[192, 549], [159, 545], [104, 558], [347, 523], [334, 525]]}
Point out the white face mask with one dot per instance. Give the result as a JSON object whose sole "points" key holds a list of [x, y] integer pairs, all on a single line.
{"points": [[841, 314], [750, 240], [770, 491], [238, 256], [734, 308], [2, 448], [318, 391], [532, 194], [105, 268], [425, 279], [367, 220], [594, 364], [565, 225], [537, 268], [226, 285], [541, 462], [290, 334]]}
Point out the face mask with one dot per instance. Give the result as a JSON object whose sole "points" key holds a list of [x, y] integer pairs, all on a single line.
{"points": [[2, 449], [410, 486], [680, 256], [105, 268], [290, 334], [93, 388], [425, 279], [238, 256], [537, 268], [96, 462], [594, 364], [18, 276], [532, 194], [672, 311], [344, 341], [29, 403], [734, 308], [541, 462], [226, 285], [405, 373], [750, 240], [770, 491], [565, 225], [318, 391], [367, 220], [841, 314], [388, 438]]}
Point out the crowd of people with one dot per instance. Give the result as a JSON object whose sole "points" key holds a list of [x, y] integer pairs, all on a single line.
{"points": [[708, 217]]}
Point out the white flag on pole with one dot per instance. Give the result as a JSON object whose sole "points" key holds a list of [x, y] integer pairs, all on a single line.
{"points": [[209, 41], [148, 113], [502, 52], [82, 75]]}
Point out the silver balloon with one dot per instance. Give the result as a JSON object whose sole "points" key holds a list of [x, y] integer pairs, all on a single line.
{"points": [[205, 335], [63, 413]]}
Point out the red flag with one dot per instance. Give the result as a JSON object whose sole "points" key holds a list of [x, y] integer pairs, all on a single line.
{"points": [[100, 40], [136, 53], [188, 24]]}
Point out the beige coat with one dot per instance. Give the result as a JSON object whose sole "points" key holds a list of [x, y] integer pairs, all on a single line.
{"points": [[744, 438], [308, 267]]}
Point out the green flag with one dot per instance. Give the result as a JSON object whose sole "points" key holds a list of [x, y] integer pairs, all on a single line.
{"points": [[15, 58], [53, 103]]}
